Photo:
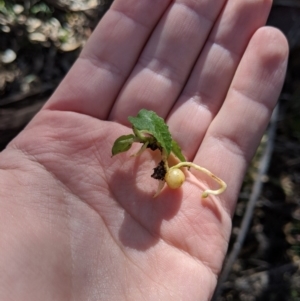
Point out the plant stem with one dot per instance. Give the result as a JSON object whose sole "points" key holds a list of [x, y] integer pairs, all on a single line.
{"points": [[144, 146]]}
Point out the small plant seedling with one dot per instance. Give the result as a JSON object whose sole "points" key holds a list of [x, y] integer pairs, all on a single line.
{"points": [[151, 130]]}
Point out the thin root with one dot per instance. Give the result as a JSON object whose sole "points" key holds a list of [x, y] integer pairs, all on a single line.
{"points": [[161, 185], [207, 192]]}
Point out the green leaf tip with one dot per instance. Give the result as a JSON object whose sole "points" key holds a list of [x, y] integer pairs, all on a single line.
{"points": [[148, 122], [152, 131], [122, 144]]}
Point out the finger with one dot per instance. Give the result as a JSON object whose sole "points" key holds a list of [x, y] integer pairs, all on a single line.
{"points": [[209, 82], [97, 76], [236, 131], [165, 64]]}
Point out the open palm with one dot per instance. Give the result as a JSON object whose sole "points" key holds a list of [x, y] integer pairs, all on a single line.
{"points": [[80, 225]]}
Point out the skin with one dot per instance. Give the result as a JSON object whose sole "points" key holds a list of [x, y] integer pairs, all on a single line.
{"points": [[76, 224]]}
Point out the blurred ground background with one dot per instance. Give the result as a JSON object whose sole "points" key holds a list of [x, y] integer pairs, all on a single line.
{"points": [[39, 41]]}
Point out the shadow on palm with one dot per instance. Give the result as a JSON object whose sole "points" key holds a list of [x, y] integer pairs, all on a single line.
{"points": [[133, 189]]}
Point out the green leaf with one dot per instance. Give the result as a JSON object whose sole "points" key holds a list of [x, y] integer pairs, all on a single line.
{"points": [[150, 122], [122, 144], [176, 150]]}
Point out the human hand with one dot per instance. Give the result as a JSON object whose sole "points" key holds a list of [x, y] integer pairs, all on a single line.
{"points": [[77, 224]]}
